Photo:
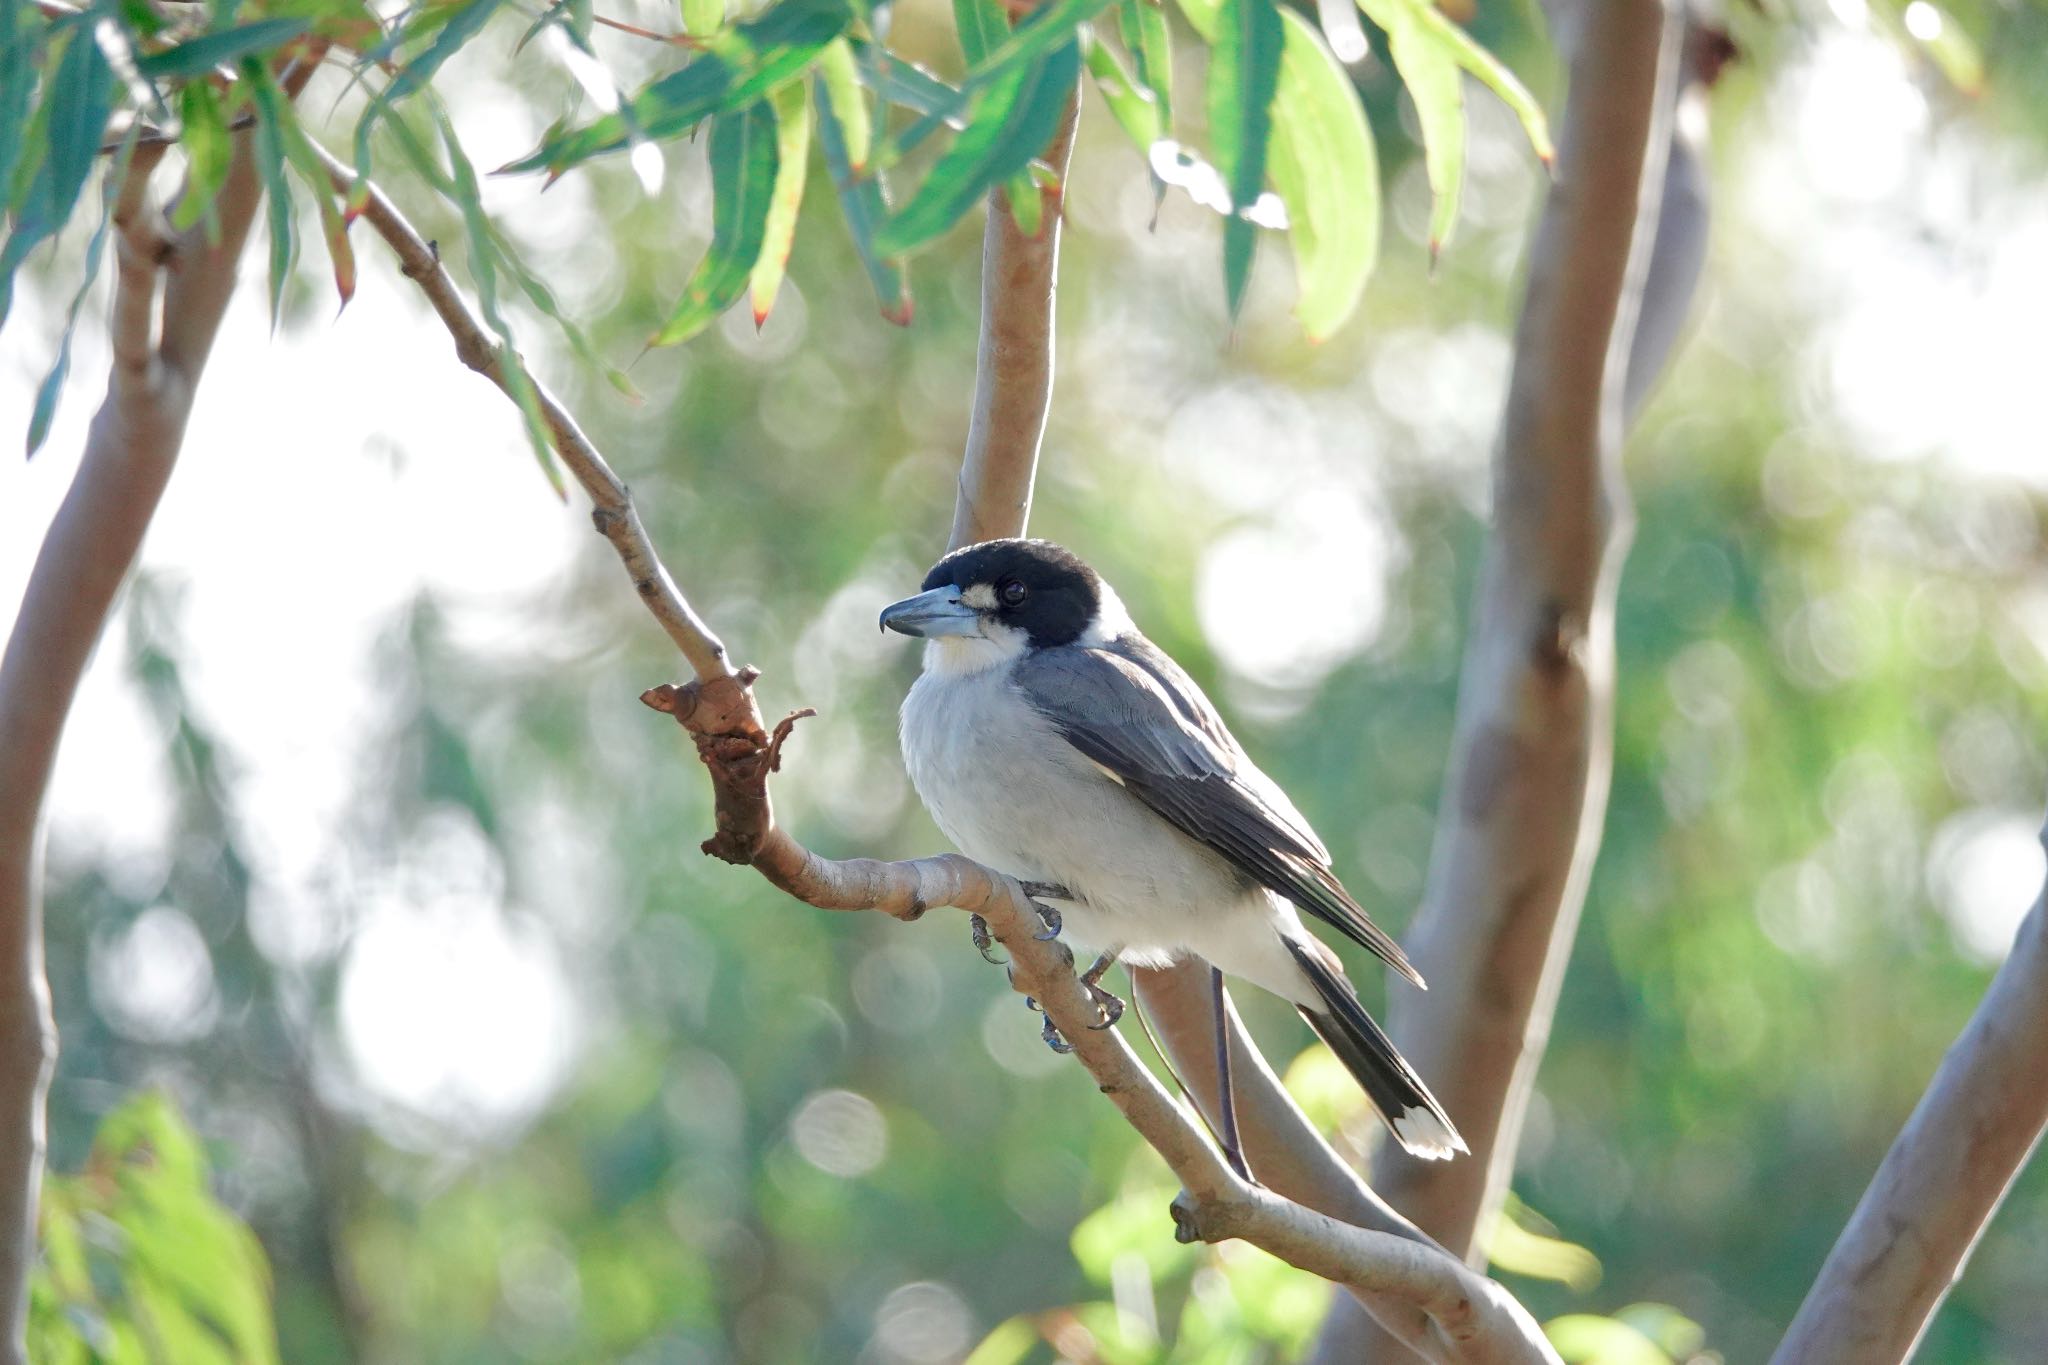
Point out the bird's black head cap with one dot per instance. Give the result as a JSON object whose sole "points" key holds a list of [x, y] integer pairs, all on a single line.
{"points": [[1043, 589]]}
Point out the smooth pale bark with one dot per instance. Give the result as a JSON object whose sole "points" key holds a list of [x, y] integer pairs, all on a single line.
{"points": [[1523, 804], [1944, 1177], [170, 294], [1013, 364]]}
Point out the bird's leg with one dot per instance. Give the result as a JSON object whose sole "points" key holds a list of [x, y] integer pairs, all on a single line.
{"points": [[984, 942], [1226, 1097], [1111, 1007]]}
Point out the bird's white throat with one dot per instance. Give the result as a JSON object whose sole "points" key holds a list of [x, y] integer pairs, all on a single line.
{"points": [[959, 656]]}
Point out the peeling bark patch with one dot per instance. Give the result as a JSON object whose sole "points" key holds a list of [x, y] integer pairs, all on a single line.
{"points": [[1496, 754]]}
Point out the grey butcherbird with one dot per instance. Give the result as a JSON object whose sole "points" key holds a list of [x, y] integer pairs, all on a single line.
{"points": [[1051, 740]]}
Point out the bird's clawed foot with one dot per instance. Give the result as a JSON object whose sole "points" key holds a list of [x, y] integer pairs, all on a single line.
{"points": [[984, 942], [1051, 1034], [1111, 1007], [1040, 892]]}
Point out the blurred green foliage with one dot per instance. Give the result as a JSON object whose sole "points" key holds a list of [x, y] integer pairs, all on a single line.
{"points": [[139, 1262], [789, 1136]]}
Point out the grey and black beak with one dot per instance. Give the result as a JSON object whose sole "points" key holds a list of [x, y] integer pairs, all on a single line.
{"points": [[938, 612]]}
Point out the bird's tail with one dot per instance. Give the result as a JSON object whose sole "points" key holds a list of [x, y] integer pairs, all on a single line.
{"points": [[1417, 1121]]}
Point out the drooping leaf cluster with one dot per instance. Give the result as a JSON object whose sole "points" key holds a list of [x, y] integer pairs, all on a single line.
{"points": [[1288, 145]]}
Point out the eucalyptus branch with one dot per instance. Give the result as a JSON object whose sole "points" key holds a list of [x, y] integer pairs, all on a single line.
{"points": [[1013, 367], [1524, 801], [130, 450], [1944, 1177]]}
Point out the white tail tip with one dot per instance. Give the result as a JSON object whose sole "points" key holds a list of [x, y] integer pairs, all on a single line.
{"points": [[1426, 1136]]}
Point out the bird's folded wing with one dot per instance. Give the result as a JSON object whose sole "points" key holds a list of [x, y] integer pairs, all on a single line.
{"points": [[1130, 709]]}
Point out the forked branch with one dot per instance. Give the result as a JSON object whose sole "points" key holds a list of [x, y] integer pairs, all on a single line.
{"points": [[1450, 1314]]}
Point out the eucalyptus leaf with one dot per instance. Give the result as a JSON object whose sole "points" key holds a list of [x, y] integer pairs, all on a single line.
{"points": [[47, 392], [1012, 121], [1324, 166], [792, 106], [467, 195], [277, 195], [199, 56], [842, 89], [737, 67], [702, 18], [67, 126], [1432, 25], [864, 204], [1135, 109], [1244, 76], [744, 160], [209, 151]]}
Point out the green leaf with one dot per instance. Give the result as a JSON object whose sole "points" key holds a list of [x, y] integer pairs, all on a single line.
{"points": [[907, 85], [1134, 107], [201, 55], [22, 36], [982, 25], [744, 160], [842, 89], [1011, 1343], [702, 18], [1026, 202], [543, 298], [1013, 119], [467, 195], [1589, 1339], [1433, 26], [53, 383], [1523, 1242], [277, 194], [792, 106], [463, 22], [1044, 29], [864, 203], [299, 151], [68, 124], [1244, 75], [1324, 166], [1435, 84], [1142, 25], [739, 65], [209, 151]]}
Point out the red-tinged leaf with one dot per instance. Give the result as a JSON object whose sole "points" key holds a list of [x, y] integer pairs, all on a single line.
{"points": [[744, 160], [792, 106]]}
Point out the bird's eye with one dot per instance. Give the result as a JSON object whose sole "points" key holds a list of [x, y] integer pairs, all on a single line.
{"points": [[1012, 593]]}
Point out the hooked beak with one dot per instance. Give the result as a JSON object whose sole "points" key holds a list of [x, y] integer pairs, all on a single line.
{"points": [[931, 614]]}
